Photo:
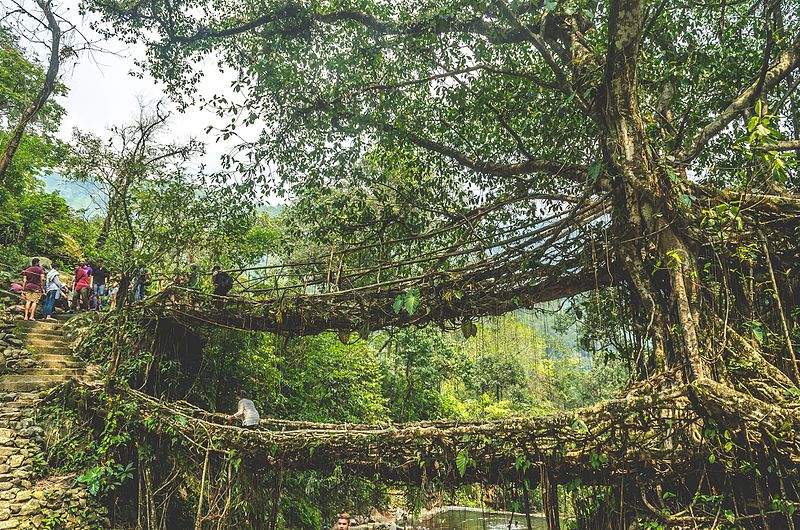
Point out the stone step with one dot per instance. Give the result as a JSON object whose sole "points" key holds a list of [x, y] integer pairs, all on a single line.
{"points": [[23, 402], [55, 334], [36, 325], [26, 399], [59, 364], [39, 384], [38, 351], [27, 383], [23, 377], [20, 409], [41, 344], [45, 330], [53, 371], [47, 352], [23, 396], [57, 357]]}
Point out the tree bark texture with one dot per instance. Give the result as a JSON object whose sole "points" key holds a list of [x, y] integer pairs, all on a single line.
{"points": [[51, 78]]}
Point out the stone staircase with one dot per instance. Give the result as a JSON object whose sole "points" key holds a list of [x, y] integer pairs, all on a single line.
{"points": [[53, 362], [26, 502]]}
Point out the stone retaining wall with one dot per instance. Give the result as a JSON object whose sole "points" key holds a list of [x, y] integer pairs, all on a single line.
{"points": [[27, 502], [13, 355]]}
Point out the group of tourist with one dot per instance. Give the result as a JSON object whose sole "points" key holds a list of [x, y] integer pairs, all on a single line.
{"points": [[89, 285]]}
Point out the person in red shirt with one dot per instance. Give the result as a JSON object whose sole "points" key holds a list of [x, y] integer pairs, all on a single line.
{"points": [[80, 286], [32, 280]]}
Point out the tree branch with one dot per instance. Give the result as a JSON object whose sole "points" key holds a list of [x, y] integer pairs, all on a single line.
{"points": [[574, 172], [786, 145], [41, 98], [303, 19], [787, 61]]}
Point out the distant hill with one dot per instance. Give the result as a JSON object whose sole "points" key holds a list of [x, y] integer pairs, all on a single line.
{"points": [[273, 211], [77, 195]]}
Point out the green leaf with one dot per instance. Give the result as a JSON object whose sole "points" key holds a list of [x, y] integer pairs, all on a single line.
{"points": [[412, 301], [408, 301], [462, 459], [758, 331], [729, 515], [595, 169], [397, 306]]}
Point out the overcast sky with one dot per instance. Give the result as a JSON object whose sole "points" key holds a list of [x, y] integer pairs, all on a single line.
{"points": [[103, 93]]}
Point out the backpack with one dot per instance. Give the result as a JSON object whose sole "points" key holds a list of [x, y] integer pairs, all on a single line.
{"points": [[224, 281]]}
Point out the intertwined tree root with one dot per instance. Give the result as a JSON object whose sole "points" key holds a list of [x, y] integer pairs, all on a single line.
{"points": [[650, 435]]}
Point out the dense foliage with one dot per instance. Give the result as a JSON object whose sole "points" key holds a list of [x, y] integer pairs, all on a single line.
{"points": [[32, 221], [448, 161]]}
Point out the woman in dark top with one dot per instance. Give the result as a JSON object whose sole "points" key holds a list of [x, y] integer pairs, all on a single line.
{"points": [[32, 279]]}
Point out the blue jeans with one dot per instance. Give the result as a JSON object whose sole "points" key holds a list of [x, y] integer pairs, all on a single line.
{"points": [[98, 291], [138, 292], [49, 303]]}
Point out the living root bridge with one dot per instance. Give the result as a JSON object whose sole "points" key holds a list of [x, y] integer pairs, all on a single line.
{"points": [[652, 436], [370, 310]]}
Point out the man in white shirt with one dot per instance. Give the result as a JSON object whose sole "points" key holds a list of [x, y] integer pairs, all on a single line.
{"points": [[53, 290], [247, 411]]}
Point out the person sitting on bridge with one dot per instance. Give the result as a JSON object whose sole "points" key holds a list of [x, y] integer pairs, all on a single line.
{"points": [[343, 521], [222, 281], [247, 411]]}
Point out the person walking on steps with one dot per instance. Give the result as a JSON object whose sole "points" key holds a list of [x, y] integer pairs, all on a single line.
{"points": [[32, 280], [247, 411], [81, 283], [53, 289], [99, 281]]}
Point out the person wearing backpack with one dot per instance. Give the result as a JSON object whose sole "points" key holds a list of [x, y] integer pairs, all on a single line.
{"points": [[222, 281]]}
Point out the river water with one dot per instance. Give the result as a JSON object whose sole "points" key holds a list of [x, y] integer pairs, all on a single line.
{"points": [[460, 519]]}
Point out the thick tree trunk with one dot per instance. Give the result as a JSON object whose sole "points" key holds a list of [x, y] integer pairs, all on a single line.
{"points": [[647, 242], [44, 94]]}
